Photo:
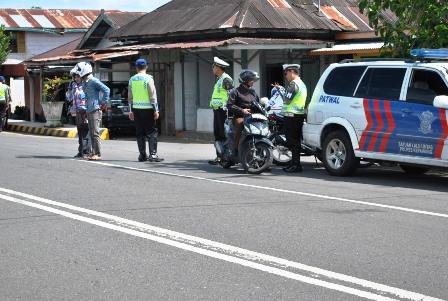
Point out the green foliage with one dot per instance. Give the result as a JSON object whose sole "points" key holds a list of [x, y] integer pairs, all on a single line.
{"points": [[420, 24], [4, 44], [52, 86]]}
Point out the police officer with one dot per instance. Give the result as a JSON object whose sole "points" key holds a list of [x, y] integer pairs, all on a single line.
{"points": [[144, 111], [219, 98], [293, 109], [4, 102]]}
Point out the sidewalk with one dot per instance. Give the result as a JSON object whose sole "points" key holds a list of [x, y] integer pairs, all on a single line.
{"points": [[37, 128], [70, 131]]}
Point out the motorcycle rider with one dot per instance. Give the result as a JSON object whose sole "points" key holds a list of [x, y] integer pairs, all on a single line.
{"points": [[239, 103], [294, 111]]}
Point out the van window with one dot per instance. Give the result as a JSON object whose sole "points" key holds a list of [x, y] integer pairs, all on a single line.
{"points": [[424, 86], [342, 81], [381, 83]]}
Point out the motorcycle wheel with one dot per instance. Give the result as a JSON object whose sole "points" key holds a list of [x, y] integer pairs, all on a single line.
{"points": [[258, 160], [281, 155]]}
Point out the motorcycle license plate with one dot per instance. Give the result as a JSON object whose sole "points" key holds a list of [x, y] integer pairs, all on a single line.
{"points": [[125, 110]]}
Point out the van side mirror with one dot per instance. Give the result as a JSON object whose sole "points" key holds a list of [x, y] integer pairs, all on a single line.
{"points": [[441, 101]]}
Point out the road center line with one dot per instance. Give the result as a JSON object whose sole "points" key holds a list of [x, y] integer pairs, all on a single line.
{"points": [[320, 196], [221, 251]]}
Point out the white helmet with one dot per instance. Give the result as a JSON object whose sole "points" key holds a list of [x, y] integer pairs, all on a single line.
{"points": [[83, 68], [74, 71], [264, 101]]}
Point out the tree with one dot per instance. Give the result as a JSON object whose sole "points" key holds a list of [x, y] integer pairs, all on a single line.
{"points": [[4, 44], [420, 24]]}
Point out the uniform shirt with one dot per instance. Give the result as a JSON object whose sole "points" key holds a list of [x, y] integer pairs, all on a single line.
{"points": [[220, 91], [4, 93], [241, 98], [294, 98], [148, 85]]}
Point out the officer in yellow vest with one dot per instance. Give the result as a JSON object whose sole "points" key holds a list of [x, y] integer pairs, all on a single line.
{"points": [[293, 110], [223, 84], [144, 111], [4, 102]]}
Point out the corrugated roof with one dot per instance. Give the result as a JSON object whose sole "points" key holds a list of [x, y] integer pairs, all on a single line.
{"points": [[14, 19], [68, 52], [106, 23], [348, 48], [193, 16], [121, 18]]}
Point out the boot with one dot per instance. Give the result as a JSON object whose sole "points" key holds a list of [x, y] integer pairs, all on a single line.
{"points": [[295, 165], [141, 143], [214, 162], [294, 168], [153, 149]]}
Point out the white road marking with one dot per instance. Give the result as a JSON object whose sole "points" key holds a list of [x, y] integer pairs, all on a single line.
{"points": [[320, 196], [259, 261]]}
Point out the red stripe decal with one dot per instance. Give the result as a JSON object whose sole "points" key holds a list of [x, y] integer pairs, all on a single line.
{"points": [[369, 126], [379, 127], [390, 129], [441, 141]]}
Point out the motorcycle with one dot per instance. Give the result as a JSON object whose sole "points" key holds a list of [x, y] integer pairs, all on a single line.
{"points": [[282, 154], [254, 148]]}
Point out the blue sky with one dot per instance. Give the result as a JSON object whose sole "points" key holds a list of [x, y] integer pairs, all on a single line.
{"points": [[124, 5]]}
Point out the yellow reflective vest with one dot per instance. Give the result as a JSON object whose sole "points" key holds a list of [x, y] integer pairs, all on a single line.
{"points": [[3, 92], [297, 103], [220, 94], [139, 85]]}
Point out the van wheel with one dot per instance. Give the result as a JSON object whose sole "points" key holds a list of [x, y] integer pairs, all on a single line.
{"points": [[414, 170], [338, 156]]}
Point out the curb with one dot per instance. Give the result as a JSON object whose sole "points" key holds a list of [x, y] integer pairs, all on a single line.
{"points": [[66, 133]]}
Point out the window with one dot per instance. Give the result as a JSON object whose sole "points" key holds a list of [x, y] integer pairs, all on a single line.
{"points": [[381, 83], [424, 86], [17, 43], [342, 81]]}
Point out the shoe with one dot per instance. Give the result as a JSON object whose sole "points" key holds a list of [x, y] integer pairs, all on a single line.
{"points": [[78, 155], [293, 168], [214, 162], [142, 157], [95, 158], [288, 166], [155, 158], [86, 156]]}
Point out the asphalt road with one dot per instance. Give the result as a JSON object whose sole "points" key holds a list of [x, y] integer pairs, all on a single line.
{"points": [[184, 230]]}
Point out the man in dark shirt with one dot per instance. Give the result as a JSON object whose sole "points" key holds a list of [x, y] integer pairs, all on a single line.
{"points": [[239, 102]]}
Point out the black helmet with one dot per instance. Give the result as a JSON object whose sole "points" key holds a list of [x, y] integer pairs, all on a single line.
{"points": [[247, 75]]}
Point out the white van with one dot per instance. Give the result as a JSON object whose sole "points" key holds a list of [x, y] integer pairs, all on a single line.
{"points": [[392, 110]]}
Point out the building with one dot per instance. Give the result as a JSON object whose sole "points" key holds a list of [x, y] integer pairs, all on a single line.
{"points": [[180, 39], [95, 35], [35, 31]]}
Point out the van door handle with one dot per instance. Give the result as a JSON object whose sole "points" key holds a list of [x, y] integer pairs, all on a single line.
{"points": [[355, 105]]}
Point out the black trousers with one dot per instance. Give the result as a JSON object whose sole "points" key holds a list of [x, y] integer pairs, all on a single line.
{"points": [[3, 106], [219, 117], [293, 133], [146, 127], [84, 145]]}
